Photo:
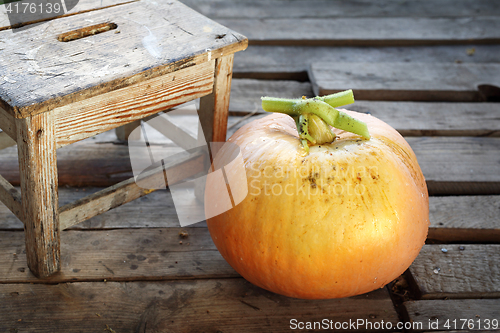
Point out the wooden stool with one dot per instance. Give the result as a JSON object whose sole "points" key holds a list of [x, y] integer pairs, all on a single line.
{"points": [[76, 76]]}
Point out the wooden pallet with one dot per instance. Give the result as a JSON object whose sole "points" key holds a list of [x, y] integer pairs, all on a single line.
{"points": [[128, 271]]}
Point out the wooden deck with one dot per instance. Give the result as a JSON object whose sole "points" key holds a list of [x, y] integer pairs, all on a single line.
{"points": [[431, 69]]}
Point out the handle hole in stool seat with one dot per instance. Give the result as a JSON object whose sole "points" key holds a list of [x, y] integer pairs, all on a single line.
{"points": [[87, 31]]}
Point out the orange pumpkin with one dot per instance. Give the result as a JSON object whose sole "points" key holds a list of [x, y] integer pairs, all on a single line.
{"points": [[345, 219]]}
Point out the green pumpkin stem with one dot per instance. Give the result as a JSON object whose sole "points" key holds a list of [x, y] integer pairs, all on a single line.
{"points": [[313, 116]]}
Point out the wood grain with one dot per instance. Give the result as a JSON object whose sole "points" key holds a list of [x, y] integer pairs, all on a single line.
{"points": [[404, 81], [38, 173], [225, 305], [214, 108], [101, 113], [63, 73], [464, 219], [368, 31], [441, 311], [457, 271]]}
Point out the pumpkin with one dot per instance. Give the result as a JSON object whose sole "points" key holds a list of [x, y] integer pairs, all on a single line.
{"points": [[342, 219]]}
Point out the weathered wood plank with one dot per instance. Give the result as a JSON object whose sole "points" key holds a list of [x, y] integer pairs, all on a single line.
{"points": [[79, 7], [293, 62], [101, 113], [457, 271], [405, 81], [480, 312], [219, 9], [409, 118], [214, 108], [121, 255], [464, 219], [436, 119], [38, 173], [466, 165], [225, 305], [368, 31], [62, 73]]}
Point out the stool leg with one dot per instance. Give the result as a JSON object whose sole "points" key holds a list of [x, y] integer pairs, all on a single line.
{"points": [[38, 172], [214, 110]]}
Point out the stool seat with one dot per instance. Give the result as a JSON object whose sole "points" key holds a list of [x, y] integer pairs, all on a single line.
{"points": [[79, 75]]}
